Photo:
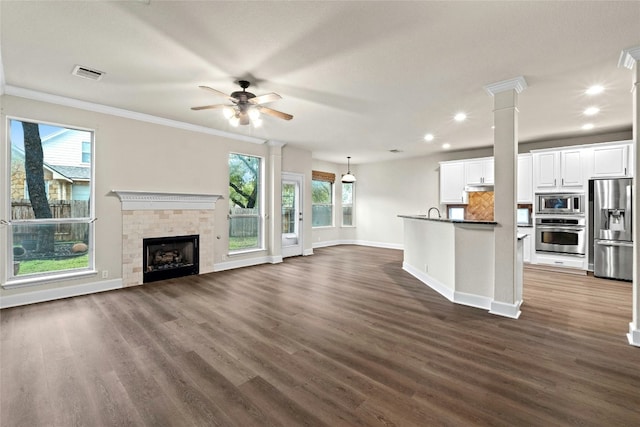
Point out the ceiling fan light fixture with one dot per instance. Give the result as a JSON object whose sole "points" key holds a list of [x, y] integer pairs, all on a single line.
{"points": [[228, 112], [254, 113], [234, 121], [348, 178], [257, 122]]}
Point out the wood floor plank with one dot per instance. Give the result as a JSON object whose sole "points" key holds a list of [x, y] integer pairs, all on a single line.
{"points": [[342, 338]]}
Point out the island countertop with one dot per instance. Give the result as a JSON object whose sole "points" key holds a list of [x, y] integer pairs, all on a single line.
{"points": [[453, 221]]}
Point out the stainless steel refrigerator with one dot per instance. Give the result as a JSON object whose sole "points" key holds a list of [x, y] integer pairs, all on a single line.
{"points": [[613, 241]]}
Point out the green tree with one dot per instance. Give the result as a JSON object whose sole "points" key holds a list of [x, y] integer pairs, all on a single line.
{"points": [[244, 173], [34, 170]]}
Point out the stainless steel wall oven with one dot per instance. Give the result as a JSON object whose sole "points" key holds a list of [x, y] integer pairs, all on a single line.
{"points": [[561, 234]]}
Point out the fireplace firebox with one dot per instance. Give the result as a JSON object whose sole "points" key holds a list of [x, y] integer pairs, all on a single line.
{"points": [[170, 257]]}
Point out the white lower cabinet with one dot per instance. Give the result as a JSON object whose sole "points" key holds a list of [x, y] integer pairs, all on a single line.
{"points": [[558, 260], [528, 244]]}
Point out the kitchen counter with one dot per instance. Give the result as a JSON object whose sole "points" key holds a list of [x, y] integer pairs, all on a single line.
{"points": [[457, 259], [454, 221]]}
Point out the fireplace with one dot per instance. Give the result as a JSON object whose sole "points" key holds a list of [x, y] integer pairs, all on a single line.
{"points": [[169, 257]]}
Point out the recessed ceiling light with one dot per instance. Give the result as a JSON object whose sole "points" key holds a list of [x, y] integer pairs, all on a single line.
{"points": [[428, 137], [591, 111], [493, 127], [446, 145], [460, 117], [594, 90], [587, 126]]}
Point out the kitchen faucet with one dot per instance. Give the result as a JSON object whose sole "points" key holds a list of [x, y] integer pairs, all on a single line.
{"points": [[429, 213]]}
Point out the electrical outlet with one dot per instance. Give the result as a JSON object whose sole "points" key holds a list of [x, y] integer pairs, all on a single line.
{"points": [[105, 274]]}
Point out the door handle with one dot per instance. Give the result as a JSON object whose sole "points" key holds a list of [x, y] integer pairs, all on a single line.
{"points": [[614, 243]]}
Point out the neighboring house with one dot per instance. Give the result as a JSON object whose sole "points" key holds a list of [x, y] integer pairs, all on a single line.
{"points": [[67, 166]]}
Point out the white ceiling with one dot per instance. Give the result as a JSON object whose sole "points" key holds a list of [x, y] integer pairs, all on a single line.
{"points": [[360, 78]]}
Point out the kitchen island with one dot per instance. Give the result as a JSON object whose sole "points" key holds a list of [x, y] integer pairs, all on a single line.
{"points": [[456, 258]]}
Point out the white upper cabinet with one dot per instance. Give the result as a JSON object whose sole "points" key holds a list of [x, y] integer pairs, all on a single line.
{"points": [[612, 160], [558, 170], [479, 171], [452, 183], [525, 179]]}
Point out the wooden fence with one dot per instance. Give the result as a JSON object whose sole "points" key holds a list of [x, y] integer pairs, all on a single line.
{"points": [[21, 210], [243, 222]]}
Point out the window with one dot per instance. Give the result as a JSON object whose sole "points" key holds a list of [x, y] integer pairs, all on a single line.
{"points": [[347, 204], [50, 234], [456, 213], [86, 152], [245, 203], [322, 199]]}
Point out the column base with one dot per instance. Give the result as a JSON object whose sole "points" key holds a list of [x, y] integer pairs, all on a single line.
{"points": [[633, 336], [506, 309]]}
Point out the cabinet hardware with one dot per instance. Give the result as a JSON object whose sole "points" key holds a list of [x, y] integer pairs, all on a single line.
{"points": [[625, 171], [563, 181]]}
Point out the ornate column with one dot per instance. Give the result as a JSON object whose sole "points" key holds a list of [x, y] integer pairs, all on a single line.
{"points": [[507, 292], [630, 58], [274, 211]]}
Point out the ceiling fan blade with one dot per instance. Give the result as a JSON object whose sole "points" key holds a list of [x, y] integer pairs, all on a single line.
{"points": [[208, 107], [263, 99], [275, 113], [217, 92]]}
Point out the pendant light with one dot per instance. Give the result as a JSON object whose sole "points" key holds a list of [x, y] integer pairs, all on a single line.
{"points": [[348, 178]]}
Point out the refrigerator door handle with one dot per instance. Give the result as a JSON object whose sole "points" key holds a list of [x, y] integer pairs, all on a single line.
{"points": [[614, 243]]}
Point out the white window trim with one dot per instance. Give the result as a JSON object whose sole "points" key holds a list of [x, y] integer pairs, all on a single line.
{"points": [[9, 281], [260, 215]]}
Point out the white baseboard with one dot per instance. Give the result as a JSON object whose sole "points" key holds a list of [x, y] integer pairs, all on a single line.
{"points": [[383, 245], [307, 252], [247, 262], [634, 335], [275, 259], [431, 282], [59, 293], [505, 309], [471, 300]]}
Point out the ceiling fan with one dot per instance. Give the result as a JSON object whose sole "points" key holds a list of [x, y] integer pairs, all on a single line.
{"points": [[245, 107]]}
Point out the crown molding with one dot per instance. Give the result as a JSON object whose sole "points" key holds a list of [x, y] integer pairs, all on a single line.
{"points": [[119, 112], [149, 200], [518, 84], [628, 57]]}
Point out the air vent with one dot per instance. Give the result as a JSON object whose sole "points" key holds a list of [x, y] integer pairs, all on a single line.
{"points": [[87, 73]]}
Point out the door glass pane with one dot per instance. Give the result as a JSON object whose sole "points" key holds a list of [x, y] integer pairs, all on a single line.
{"points": [[288, 208]]}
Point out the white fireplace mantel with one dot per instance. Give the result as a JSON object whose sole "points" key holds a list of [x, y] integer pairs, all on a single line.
{"points": [[148, 200]]}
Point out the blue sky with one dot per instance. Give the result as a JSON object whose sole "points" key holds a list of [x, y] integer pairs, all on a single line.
{"points": [[17, 137]]}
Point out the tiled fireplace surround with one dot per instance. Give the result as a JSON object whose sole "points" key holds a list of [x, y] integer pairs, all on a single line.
{"points": [[149, 214]]}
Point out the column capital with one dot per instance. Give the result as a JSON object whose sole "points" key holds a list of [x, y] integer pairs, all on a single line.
{"points": [[274, 143], [628, 57], [518, 84]]}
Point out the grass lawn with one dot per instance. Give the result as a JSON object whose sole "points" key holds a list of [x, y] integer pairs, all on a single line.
{"points": [[238, 243], [44, 265]]}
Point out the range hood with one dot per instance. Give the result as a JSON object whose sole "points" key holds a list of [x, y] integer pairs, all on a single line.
{"points": [[478, 187]]}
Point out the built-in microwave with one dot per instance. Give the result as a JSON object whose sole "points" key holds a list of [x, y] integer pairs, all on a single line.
{"points": [[560, 203]]}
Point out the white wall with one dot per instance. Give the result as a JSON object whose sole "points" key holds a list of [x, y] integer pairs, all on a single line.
{"points": [[411, 186], [136, 155]]}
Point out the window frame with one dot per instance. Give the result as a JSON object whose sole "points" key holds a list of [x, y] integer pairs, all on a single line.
{"points": [[331, 204], [260, 246], [11, 280], [349, 205]]}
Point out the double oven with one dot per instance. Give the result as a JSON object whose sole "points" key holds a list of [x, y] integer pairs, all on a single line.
{"points": [[560, 225]]}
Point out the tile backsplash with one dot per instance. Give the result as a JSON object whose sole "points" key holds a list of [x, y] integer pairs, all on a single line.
{"points": [[480, 206]]}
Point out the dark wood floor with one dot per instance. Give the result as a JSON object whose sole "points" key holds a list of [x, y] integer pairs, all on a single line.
{"points": [[341, 338]]}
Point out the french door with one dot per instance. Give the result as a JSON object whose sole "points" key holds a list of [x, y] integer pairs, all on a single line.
{"points": [[292, 185]]}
